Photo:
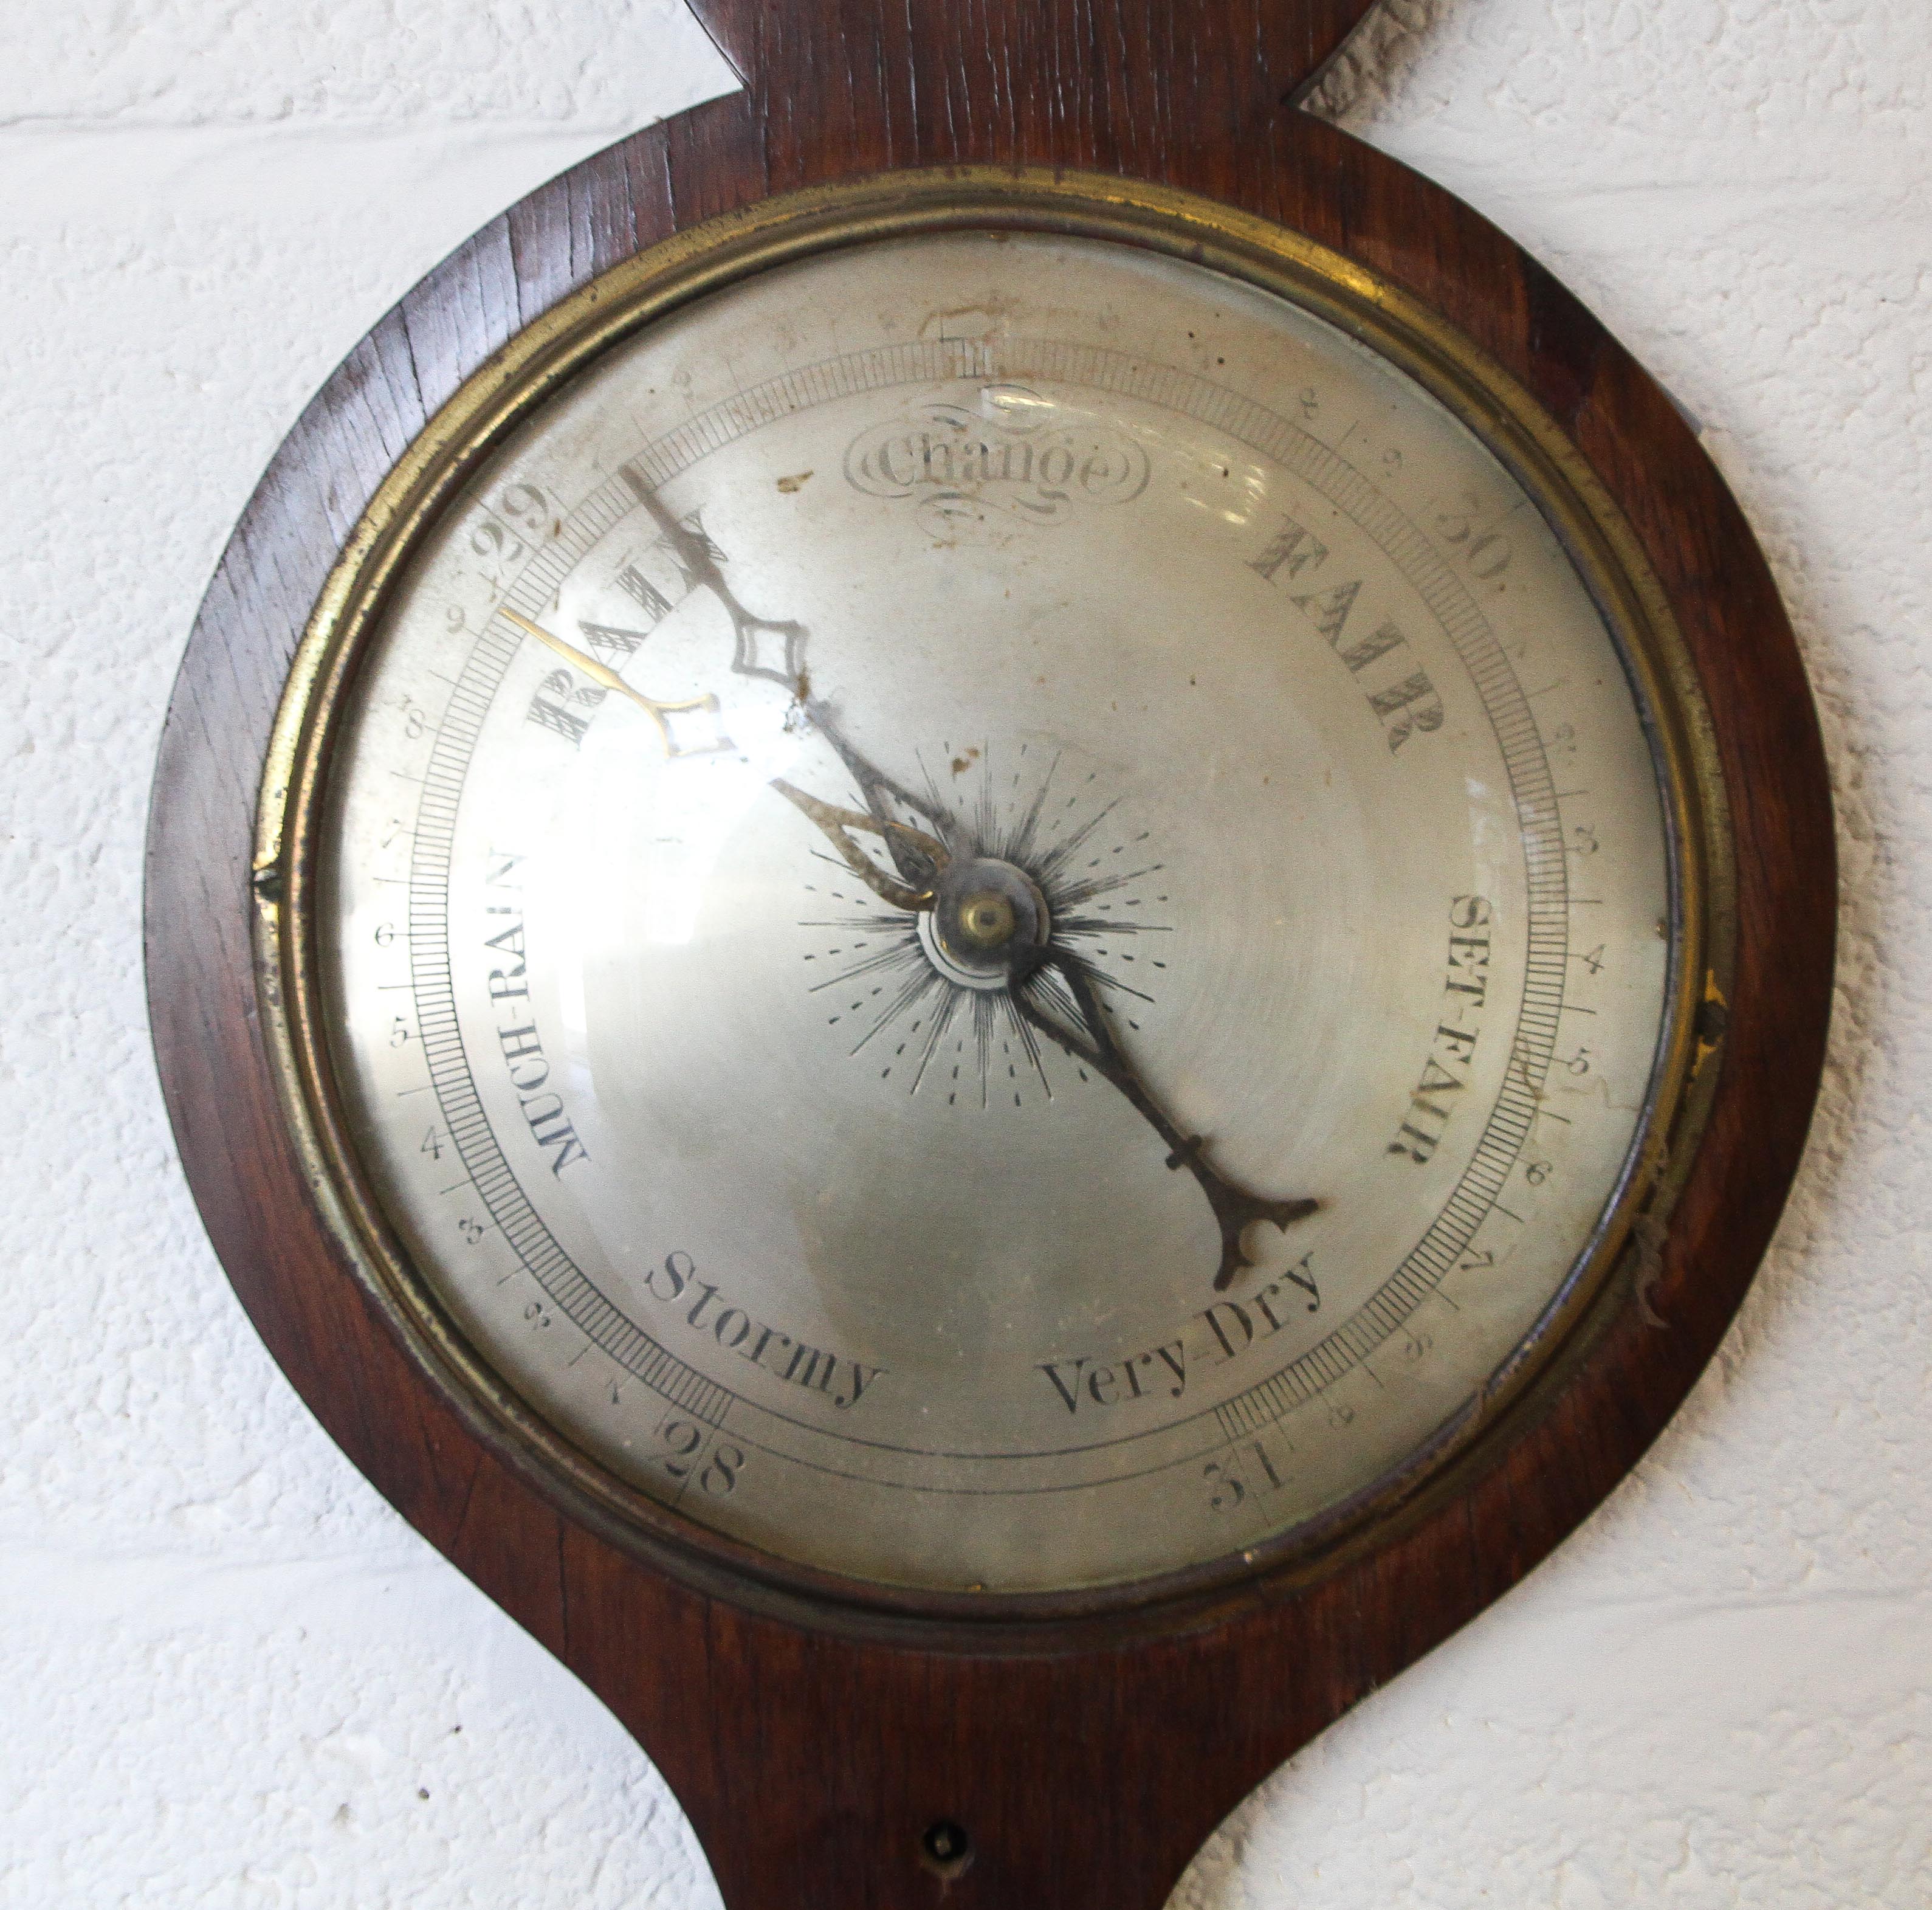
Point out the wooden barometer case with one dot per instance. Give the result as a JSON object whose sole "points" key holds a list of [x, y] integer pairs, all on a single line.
{"points": [[991, 909]]}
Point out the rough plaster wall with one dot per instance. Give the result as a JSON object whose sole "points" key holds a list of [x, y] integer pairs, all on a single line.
{"points": [[230, 1677]]}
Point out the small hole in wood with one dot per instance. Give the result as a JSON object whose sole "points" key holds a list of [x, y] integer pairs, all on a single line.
{"points": [[945, 1849]]}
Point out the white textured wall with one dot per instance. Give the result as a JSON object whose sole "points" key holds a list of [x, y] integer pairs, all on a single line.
{"points": [[229, 1676]]}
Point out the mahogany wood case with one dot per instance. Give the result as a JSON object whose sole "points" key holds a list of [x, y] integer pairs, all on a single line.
{"points": [[1086, 1763]]}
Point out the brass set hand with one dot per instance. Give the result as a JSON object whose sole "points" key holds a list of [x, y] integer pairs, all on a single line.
{"points": [[835, 822], [604, 678]]}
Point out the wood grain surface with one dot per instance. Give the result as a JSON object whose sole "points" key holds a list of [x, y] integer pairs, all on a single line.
{"points": [[810, 1763]]}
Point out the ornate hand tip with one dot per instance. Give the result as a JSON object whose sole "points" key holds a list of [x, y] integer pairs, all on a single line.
{"points": [[1236, 1211]]}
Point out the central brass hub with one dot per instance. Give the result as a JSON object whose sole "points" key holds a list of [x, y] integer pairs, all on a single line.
{"points": [[989, 925], [987, 919]]}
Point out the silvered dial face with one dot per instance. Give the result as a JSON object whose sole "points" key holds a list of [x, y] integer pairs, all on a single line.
{"points": [[997, 915]]}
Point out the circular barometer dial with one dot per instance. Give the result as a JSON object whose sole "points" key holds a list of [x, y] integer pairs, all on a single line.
{"points": [[997, 915]]}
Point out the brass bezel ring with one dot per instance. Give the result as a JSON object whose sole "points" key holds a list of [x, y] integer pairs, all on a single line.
{"points": [[1604, 1281]]}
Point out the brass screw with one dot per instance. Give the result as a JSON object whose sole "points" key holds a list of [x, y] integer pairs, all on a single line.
{"points": [[987, 918]]}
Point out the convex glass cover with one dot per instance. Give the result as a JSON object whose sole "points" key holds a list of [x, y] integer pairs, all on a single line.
{"points": [[999, 914]]}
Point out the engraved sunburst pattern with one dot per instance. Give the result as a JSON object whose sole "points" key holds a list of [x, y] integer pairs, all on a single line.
{"points": [[986, 1046]]}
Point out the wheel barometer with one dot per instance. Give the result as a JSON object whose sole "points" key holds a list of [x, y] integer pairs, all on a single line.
{"points": [[970, 924]]}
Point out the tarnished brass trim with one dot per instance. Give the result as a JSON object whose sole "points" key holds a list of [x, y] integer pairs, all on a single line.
{"points": [[512, 384]]}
